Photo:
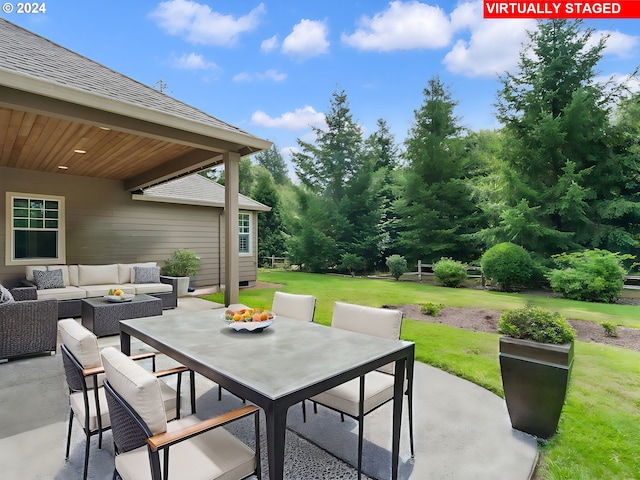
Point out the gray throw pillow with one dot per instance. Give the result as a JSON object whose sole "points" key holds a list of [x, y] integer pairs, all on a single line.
{"points": [[48, 279], [146, 274], [5, 295]]}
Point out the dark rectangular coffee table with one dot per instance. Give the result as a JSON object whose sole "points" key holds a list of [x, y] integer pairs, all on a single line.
{"points": [[103, 317]]}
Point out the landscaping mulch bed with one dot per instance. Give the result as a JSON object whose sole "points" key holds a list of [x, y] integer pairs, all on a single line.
{"points": [[485, 320]]}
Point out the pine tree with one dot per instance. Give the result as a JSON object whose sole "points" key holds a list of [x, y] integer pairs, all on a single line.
{"points": [[272, 160]]}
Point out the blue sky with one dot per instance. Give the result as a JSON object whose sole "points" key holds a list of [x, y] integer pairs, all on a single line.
{"points": [[270, 67]]}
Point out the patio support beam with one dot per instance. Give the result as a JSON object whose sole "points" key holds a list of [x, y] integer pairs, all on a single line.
{"points": [[231, 191]]}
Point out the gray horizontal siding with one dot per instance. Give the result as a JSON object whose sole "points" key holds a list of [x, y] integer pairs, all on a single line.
{"points": [[104, 225]]}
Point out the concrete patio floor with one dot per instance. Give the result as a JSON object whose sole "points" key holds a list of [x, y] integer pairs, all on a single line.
{"points": [[461, 430]]}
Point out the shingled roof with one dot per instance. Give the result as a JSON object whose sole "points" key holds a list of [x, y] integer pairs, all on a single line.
{"points": [[26, 53], [196, 190]]}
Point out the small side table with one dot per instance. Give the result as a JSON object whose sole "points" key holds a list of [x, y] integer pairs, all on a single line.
{"points": [[103, 317]]}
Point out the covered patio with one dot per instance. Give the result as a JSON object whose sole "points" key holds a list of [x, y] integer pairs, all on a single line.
{"points": [[65, 115], [462, 431]]}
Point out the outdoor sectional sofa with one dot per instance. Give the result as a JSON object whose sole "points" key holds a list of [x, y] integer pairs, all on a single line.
{"points": [[86, 281]]}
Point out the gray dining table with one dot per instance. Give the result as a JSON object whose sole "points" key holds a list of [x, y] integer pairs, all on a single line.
{"points": [[284, 364]]}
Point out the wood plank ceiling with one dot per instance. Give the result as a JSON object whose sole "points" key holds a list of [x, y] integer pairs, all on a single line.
{"points": [[38, 142]]}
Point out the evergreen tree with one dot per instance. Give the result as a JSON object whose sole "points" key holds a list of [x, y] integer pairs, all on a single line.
{"points": [[272, 160], [559, 164], [435, 207], [327, 164], [271, 231]]}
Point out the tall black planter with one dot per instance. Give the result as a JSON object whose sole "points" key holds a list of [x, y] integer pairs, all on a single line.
{"points": [[535, 377]]}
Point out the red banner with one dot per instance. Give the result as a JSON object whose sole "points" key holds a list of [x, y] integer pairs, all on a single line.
{"points": [[562, 9]]}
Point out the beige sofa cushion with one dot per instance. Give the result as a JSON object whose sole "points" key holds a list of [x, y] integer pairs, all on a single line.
{"points": [[125, 271], [137, 386], [29, 271], [66, 293], [82, 343], [151, 287], [97, 274], [73, 275], [102, 290]]}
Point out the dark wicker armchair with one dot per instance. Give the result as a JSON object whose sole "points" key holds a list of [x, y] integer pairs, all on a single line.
{"points": [[27, 326]]}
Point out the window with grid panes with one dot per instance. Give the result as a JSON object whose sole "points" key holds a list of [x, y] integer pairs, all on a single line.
{"points": [[244, 232], [36, 224]]}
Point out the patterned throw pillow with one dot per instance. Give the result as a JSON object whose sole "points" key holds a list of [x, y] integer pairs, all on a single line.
{"points": [[5, 295], [48, 279], [146, 274]]}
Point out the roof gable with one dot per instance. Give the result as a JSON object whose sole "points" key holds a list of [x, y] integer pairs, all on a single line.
{"points": [[196, 190]]}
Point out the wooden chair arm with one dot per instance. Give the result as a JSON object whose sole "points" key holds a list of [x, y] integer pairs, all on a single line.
{"points": [[171, 371], [142, 356], [169, 438], [87, 372]]}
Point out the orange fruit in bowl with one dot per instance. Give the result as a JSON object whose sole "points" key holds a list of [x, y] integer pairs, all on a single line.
{"points": [[264, 316], [256, 317], [118, 292], [237, 317]]}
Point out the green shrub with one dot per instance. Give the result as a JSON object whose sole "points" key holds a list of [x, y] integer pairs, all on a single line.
{"points": [[182, 263], [397, 266], [610, 329], [449, 272], [353, 263], [590, 275], [508, 265], [431, 308], [537, 324]]}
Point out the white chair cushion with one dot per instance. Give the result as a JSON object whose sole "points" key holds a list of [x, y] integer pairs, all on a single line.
{"points": [[380, 322], [65, 272], [76, 400], [97, 274], [139, 388], [300, 307], [82, 343], [378, 388], [215, 454]]}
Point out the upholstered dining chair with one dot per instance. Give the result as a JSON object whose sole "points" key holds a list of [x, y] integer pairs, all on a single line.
{"points": [[191, 448], [292, 305], [374, 388], [84, 375]]}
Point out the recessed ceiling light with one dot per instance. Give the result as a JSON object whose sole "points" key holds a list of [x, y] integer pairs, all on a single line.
{"points": [[105, 128], [80, 151], [63, 167]]}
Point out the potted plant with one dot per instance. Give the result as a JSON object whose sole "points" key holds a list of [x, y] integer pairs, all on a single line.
{"points": [[182, 264], [536, 357]]}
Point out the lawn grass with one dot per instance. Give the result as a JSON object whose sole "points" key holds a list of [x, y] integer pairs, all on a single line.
{"points": [[599, 429]]}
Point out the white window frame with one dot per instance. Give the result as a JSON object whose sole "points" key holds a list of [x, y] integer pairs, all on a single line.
{"points": [[248, 233], [10, 259]]}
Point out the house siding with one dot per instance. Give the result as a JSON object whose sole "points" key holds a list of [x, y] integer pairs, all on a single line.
{"points": [[105, 225]]}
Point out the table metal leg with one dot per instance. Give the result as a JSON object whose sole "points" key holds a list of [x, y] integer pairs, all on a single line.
{"points": [[276, 419], [398, 387], [125, 343]]}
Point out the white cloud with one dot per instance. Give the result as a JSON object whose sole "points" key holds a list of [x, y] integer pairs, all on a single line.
{"points": [[269, 44], [300, 119], [616, 79], [403, 26], [308, 39], [268, 75], [493, 46], [193, 61], [618, 44], [198, 24]]}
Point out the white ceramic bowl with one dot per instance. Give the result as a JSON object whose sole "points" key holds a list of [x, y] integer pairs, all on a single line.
{"points": [[125, 297]]}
